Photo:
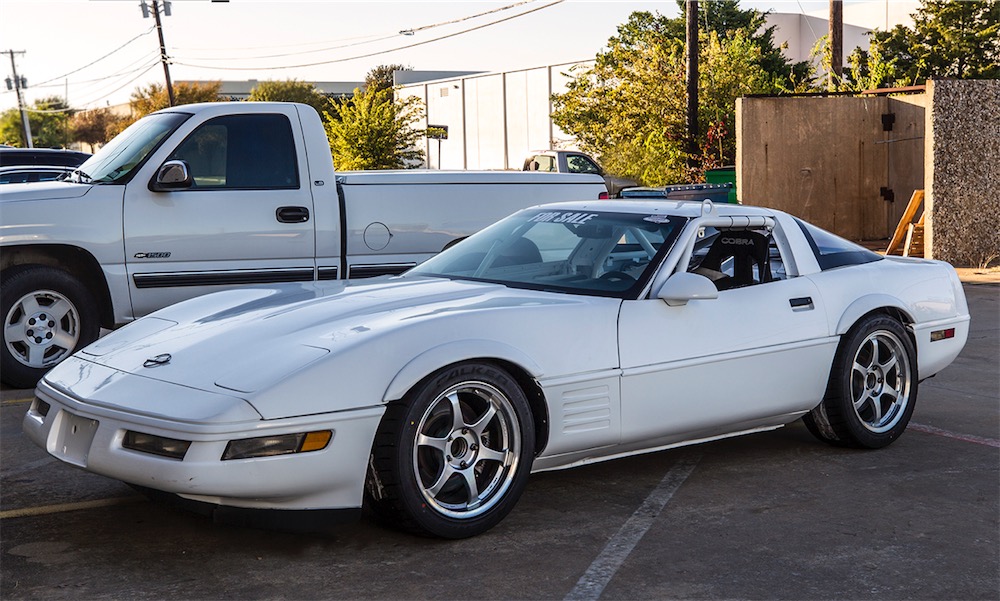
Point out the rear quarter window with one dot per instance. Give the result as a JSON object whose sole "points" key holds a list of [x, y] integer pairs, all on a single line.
{"points": [[833, 251]]}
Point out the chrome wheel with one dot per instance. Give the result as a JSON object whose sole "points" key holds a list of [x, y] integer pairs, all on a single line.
{"points": [[880, 381], [41, 329], [467, 449]]}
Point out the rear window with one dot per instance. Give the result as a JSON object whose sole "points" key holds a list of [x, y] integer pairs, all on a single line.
{"points": [[832, 250]]}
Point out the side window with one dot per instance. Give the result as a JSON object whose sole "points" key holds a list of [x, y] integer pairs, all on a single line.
{"points": [[736, 258], [576, 163], [241, 151], [545, 163]]}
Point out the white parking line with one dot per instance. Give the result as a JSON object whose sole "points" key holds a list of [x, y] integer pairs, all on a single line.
{"points": [[591, 585], [989, 442], [64, 507]]}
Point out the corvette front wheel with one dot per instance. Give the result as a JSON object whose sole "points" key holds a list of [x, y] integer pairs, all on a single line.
{"points": [[452, 458], [872, 389]]}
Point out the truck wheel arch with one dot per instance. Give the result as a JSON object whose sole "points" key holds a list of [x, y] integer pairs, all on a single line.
{"points": [[74, 260]]}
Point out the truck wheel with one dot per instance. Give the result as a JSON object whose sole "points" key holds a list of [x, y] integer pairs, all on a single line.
{"points": [[48, 315], [872, 389], [452, 458]]}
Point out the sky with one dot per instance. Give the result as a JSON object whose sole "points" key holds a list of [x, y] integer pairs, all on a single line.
{"points": [[96, 52]]}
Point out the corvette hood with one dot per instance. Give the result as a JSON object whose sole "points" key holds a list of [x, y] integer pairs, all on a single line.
{"points": [[246, 340]]}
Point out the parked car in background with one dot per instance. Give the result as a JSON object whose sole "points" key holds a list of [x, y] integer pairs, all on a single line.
{"points": [[563, 335], [574, 161], [204, 197], [42, 156], [26, 174]]}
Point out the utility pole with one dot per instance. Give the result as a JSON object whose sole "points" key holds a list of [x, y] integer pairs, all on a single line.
{"points": [[18, 84], [691, 11], [163, 47], [836, 44]]}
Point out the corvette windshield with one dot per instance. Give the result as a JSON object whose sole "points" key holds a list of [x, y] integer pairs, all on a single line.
{"points": [[116, 160], [597, 253]]}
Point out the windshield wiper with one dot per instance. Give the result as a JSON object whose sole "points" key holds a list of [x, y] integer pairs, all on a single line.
{"points": [[81, 177]]}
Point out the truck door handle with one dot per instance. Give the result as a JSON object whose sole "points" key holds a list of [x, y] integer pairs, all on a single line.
{"points": [[803, 303], [292, 214]]}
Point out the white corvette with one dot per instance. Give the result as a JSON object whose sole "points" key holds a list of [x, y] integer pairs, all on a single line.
{"points": [[563, 335]]}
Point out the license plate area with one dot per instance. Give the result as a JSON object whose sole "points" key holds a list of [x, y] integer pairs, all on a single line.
{"points": [[74, 438]]}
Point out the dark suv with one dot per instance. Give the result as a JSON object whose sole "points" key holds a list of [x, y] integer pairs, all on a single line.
{"points": [[42, 156]]}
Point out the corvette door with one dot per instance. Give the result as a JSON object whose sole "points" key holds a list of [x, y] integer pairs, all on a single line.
{"points": [[760, 351]]}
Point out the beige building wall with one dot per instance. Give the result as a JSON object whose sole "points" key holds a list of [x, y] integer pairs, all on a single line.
{"points": [[963, 171]]}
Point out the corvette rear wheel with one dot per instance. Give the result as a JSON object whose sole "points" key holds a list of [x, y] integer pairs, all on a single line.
{"points": [[872, 389], [452, 458]]}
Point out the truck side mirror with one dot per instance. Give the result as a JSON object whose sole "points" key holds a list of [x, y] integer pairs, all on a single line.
{"points": [[683, 287], [173, 175]]}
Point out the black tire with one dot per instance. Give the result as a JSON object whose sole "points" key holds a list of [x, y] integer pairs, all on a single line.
{"points": [[872, 389], [427, 488], [31, 294]]}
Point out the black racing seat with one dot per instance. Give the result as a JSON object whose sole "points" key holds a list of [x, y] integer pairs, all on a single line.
{"points": [[749, 252]]}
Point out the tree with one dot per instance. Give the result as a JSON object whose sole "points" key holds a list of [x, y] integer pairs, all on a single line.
{"points": [[375, 132], [154, 97], [381, 76], [292, 91], [49, 119], [94, 127], [629, 109], [959, 40]]}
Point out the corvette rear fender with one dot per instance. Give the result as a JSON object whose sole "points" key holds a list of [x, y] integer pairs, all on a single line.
{"points": [[453, 352], [869, 303]]}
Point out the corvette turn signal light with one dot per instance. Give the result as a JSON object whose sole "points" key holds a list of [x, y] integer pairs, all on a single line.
{"points": [[281, 444]]}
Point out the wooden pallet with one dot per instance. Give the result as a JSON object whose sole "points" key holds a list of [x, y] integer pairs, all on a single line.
{"points": [[908, 239]]}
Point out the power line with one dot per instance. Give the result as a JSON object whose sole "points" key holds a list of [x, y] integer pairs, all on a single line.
{"points": [[152, 66], [143, 59], [371, 54], [63, 76]]}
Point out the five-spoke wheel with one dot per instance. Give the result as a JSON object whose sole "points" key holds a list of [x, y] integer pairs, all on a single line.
{"points": [[872, 388], [452, 458]]}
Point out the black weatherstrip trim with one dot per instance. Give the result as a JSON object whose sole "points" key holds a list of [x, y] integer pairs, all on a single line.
{"points": [[328, 273], [371, 271], [342, 204], [221, 278]]}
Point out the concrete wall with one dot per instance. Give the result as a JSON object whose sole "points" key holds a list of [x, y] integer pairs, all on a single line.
{"points": [[963, 171], [827, 160]]}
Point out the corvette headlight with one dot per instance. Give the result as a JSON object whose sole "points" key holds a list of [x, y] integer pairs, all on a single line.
{"points": [[282, 444], [156, 445]]}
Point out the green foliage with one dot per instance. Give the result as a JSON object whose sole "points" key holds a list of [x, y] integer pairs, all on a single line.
{"points": [[49, 120], [959, 40], [94, 127], [381, 76], [630, 108], [154, 96], [292, 91], [374, 132]]}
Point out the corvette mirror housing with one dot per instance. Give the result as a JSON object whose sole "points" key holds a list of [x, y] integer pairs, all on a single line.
{"points": [[683, 287]]}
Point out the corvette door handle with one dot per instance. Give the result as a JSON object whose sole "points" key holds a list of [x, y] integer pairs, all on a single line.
{"points": [[803, 303], [292, 214]]}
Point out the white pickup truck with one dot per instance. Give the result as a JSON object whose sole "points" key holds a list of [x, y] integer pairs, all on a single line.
{"points": [[200, 198]]}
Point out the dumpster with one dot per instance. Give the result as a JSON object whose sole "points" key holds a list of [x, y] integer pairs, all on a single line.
{"points": [[723, 175], [719, 193]]}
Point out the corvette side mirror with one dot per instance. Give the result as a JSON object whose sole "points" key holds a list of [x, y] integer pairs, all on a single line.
{"points": [[683, 287]]}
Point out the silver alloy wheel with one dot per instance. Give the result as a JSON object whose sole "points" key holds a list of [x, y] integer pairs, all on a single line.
{"points": [[42, 328], [466, 451], [880, 381]]}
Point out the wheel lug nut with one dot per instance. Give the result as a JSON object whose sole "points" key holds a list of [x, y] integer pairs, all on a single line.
{"points": [[48, 336], [448, 457], [474, 447], [38, 340], [52, 324], [42, 317], [31, 333], [463, 465], [465, 430], [31, 321]]}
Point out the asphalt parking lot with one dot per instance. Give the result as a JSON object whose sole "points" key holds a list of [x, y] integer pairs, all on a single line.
{"points": [[777, 515]]}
